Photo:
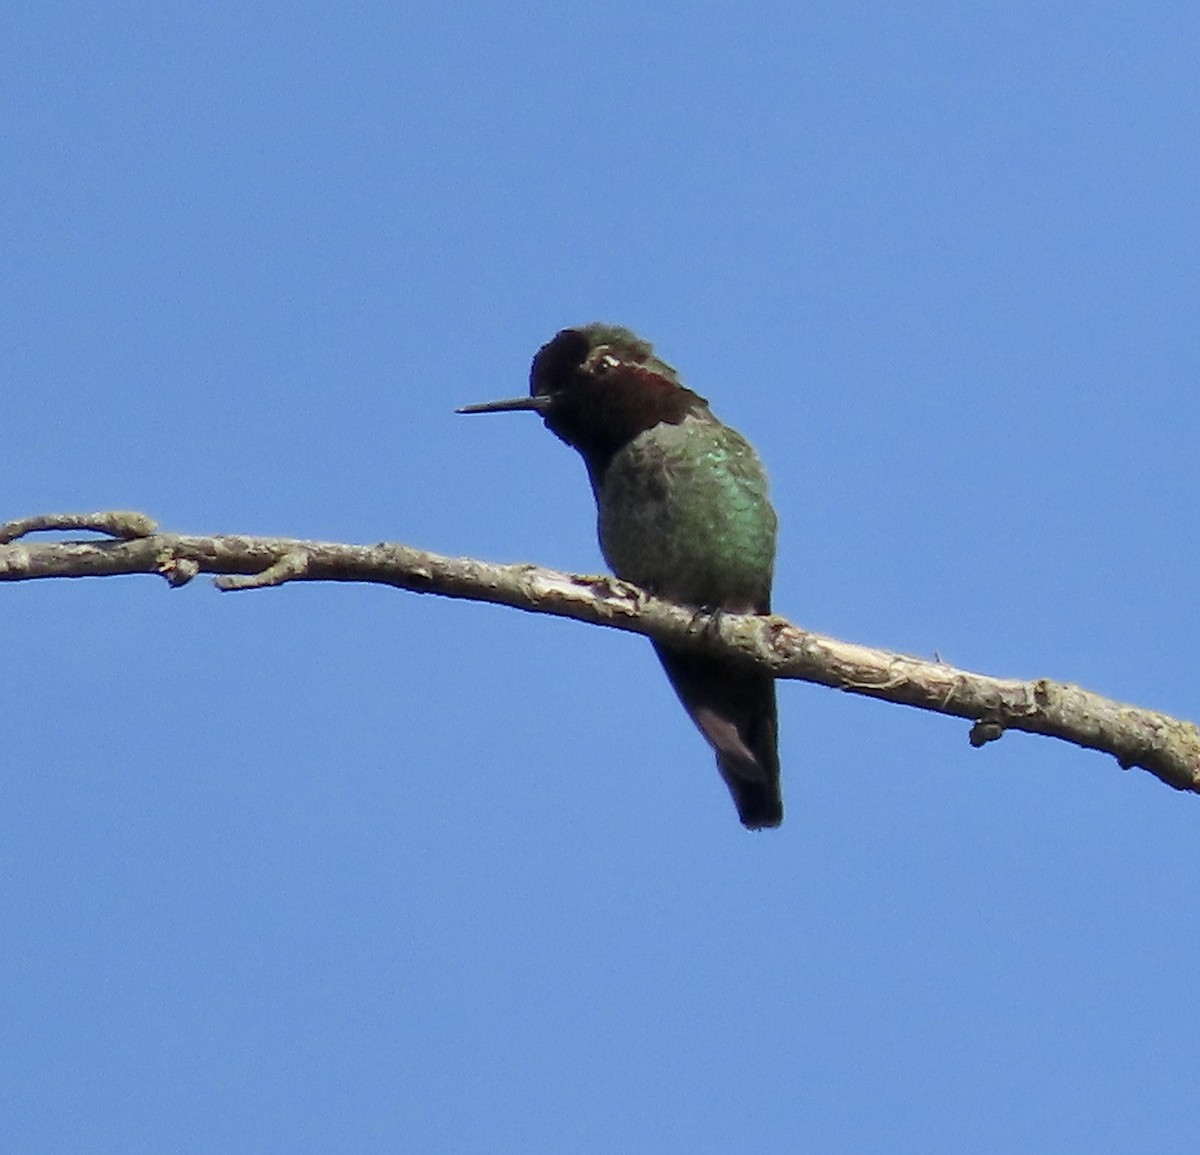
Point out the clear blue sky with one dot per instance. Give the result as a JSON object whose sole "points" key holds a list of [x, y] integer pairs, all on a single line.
{"points": [[344, 869]]}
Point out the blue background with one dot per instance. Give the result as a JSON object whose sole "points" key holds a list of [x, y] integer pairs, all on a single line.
{"points": [[336, 868]]}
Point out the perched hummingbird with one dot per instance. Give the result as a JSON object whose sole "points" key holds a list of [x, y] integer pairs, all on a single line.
{"points": [[683, 513]]}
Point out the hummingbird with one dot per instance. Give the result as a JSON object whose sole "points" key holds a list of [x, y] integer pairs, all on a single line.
{"points": [[682, 512]]}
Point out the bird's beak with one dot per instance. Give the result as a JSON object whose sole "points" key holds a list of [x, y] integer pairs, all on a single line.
{"points": [[535, 404]]}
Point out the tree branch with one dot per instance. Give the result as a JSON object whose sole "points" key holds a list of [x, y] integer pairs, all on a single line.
{"points": [[1166, 747]]}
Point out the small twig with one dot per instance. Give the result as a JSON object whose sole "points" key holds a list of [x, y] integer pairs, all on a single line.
{"points": [[293, 566], [121, 523]]}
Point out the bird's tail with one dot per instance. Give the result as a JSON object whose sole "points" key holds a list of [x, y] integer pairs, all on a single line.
{"points": [[733, 706]]}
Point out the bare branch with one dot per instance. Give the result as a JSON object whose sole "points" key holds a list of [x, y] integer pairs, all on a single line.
{"points": [[123, 523], [1166, 747]]}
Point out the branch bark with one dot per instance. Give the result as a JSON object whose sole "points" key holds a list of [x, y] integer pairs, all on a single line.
{"points": [[1164, 746]]}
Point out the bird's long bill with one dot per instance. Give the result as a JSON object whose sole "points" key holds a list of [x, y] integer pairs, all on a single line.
{"points": [[536, 404]]}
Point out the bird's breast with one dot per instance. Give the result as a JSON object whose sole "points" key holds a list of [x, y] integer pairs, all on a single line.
{"points": [[684, 513]]}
